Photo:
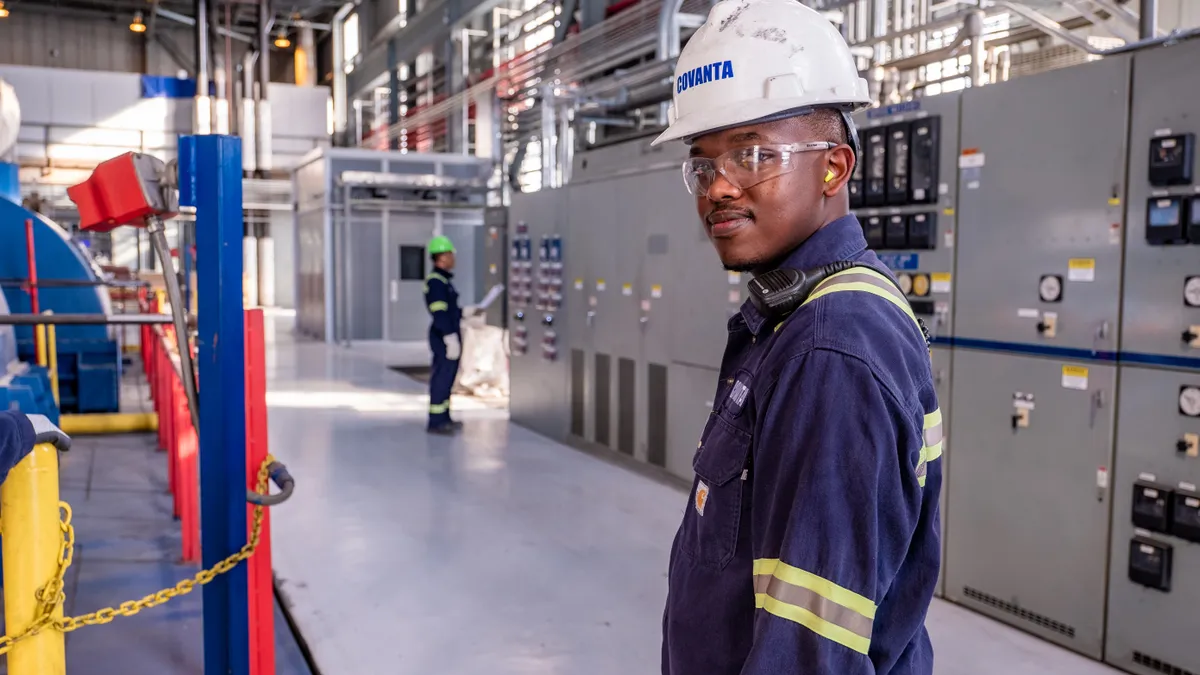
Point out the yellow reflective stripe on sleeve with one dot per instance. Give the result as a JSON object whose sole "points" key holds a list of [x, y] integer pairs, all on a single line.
{"points": [[438, 306], [831, 286], [932, 444], [819, 605], [435, 275]]}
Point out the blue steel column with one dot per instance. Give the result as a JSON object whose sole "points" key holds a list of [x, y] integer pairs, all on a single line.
{"points": [[218, 198]]}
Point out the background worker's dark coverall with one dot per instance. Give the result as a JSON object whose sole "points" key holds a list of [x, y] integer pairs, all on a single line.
{"points": [[811, 542], [442, 301]]}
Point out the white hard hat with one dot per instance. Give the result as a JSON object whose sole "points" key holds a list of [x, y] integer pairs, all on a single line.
{"points": [[757, 59]]}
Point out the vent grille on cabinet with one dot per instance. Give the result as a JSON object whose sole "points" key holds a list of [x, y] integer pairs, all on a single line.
{"points": [[1159, 665], [1016, 610]]}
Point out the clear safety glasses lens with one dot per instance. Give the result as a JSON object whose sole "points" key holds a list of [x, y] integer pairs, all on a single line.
{"points": [[746, 167]]}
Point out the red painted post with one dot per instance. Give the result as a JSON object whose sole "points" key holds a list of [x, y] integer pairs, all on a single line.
{"points": [[173, 391], [31, 257], [260, 578], [187, 449]]}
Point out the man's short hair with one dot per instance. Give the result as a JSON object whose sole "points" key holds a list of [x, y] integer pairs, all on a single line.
{"points": [[827, 124]]}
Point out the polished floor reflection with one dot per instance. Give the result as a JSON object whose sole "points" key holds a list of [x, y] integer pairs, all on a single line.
{"points": [[497, 551]]}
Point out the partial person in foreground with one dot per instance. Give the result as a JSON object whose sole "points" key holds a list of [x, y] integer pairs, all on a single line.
{"points": [[445, 337], [20, 432], [811, 542]]}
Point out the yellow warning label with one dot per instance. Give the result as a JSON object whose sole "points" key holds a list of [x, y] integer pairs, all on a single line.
{"points": [[1114, 201], [948, 212], [1075, 371], [1081, 269], [941, 282], [1075, 377]]}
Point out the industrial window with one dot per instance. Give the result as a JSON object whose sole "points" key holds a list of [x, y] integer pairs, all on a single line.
{"points": [[350, 40], [412, 263]]}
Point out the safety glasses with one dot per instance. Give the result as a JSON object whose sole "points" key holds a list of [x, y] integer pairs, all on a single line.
{"points": [[748, 166]]}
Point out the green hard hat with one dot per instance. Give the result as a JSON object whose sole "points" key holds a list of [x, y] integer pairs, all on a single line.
{"points": [[440, 244]]}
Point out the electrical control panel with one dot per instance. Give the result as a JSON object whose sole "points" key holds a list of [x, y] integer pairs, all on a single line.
{"points": [[898, 162], [1165, 219], [1152, 506], [873, 229], [922, 231], [1150, 563], [895, 234], [854, 187], [1171, 159], [875, 155], [923, 167]]}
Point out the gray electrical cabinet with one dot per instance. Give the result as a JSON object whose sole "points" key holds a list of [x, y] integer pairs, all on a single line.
{"points": [[1153, 587], [538, 255], [1035, 382], [914, 235], [622, 207], [493, 264]]}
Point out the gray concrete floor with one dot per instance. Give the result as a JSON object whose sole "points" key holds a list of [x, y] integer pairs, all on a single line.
{"points": [[496, 551]]}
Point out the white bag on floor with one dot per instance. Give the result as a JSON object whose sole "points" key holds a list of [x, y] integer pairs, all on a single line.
{"points": [[483, 366]]}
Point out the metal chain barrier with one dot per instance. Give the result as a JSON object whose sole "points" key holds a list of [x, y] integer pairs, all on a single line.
{"points": [[52, 595]]}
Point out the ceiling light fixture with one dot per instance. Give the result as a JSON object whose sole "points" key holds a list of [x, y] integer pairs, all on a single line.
{"points": [[137, 26], [281, 39]]}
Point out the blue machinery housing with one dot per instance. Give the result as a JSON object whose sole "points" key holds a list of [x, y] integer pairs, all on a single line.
{"points": [[89, 358]]}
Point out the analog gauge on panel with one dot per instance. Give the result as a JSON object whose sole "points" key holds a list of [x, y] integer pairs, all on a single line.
{"points": [[905, 283], [921, 285], [1050, 288], [1191, 292], [1189, 401]]}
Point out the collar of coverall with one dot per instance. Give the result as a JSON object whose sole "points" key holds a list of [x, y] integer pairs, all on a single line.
{"points": [[444, 272], [841, 239]]}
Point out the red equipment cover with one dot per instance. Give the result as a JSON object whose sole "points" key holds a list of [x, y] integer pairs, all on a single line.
{"points": [[123, 190]]}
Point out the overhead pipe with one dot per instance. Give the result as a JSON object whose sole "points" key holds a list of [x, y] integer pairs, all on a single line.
{"points": [[972, 30], [341, 97], [1148, 19], [202, 120], [1052, 27], [1123, 32], [263, 106], [248, 126], [189, 21]]}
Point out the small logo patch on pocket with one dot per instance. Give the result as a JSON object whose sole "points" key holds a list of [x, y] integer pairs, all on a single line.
{"points": [[701, 496], [737, 396]]}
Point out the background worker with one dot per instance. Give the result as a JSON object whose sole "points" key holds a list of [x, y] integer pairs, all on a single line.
{"points": [[811, 544], [444, 334]]}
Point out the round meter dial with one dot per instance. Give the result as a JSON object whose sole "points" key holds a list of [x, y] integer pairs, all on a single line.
{"points": [[1191, 292], [1050, 288], [921, 285], [905, 283], [1189, 401]]}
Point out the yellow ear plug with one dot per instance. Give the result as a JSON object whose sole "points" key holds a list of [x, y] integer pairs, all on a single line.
{"points": [[829, 175]]}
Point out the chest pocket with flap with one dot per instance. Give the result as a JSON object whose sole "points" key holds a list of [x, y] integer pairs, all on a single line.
{"points": [[713, 520]]}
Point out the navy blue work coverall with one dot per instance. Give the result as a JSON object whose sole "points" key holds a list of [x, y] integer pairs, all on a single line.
{"points": [[811, 542], [442, 301], [17, 439]]}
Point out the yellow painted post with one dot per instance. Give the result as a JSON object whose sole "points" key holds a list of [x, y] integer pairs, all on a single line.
{"points": [[41, 345], [32, 547], [52, 357]]}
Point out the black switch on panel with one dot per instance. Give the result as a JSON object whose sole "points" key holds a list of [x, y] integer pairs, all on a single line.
{"points": [[1171, 159], [1165, 219], [896, 235], [1152, 506], [923, 168], [922, 231], [1193, 220], [875, 152], [898, 143], [922, 307], [855, 186], [1185, 517], [873, 230], [1150, 563]]}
